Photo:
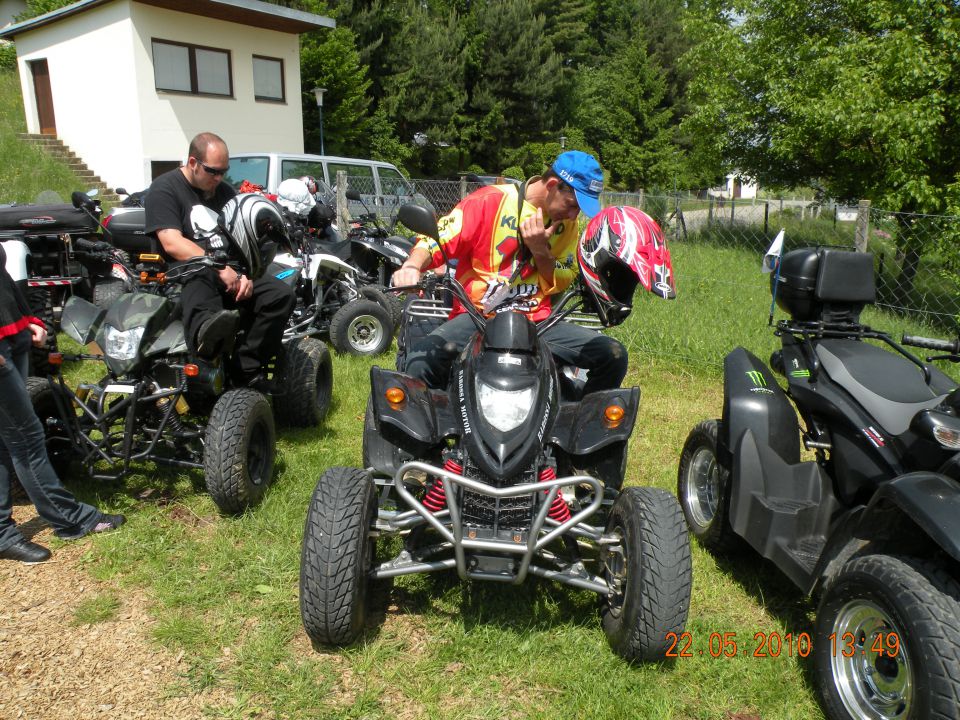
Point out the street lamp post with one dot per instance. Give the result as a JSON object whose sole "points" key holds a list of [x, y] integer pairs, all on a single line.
{"points": [[319, 91], [563, 142]]}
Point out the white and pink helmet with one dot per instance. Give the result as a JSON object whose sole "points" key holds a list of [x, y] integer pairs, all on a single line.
{"points": [[623, 246]]}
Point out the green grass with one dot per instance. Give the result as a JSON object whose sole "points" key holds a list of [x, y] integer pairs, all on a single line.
{"points": [[26, 171], [101, 608], [441, 648]]}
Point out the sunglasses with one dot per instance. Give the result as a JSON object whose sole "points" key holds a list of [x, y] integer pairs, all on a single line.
{"points": [[212, 170]]}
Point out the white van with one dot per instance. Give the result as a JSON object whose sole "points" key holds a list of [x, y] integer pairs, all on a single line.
{"points": [[380, 184]]}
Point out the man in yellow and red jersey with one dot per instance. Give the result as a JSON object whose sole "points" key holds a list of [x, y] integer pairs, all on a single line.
{"points": [[516, 247]]}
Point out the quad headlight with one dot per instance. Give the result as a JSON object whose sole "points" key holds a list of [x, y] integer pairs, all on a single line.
{"points": [[123, 344], [504, 409]]}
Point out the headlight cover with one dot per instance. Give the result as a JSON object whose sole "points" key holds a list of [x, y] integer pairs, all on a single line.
{"points": [[504, 409], [123, 344]]}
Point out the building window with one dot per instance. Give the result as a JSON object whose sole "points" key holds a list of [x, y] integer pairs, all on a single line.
{"points": [[268, 79], [178, 67]]}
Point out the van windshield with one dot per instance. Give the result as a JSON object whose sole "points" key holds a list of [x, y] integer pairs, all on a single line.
{"points": [[393, 183], [253, 169]]}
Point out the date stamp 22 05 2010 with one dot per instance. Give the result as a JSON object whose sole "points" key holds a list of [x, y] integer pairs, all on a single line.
{"points": [[775, 645]]}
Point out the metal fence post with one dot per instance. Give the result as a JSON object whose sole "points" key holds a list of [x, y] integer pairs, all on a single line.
{"points": [[343, 211], [733, 206], [862, 233], [710, 212], [463, 187], [641, 200], [766, 217]]}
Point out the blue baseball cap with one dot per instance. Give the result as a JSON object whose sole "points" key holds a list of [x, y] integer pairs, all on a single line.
{"points": [[581, 172]]}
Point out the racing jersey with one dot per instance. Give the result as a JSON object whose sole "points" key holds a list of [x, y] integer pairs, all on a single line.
{"points": [[481, 234]]}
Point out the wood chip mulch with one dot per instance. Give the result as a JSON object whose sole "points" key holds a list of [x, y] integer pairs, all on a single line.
{"points": [[52, 668]]}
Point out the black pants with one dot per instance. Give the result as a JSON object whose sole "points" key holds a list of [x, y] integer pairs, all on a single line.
{"points": [[603, 357], [263, 316]]}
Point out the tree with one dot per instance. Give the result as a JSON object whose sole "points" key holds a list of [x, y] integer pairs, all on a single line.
{"points": [[860, 95], [619, 113], [513, 80]]}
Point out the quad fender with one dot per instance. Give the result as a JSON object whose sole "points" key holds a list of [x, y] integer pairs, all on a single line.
{"points": [[930, 500], [330, 263], [17, 253], [172, 341], [754, 401], [81, 319], [391, 248], [582, 428], [418, 423]]}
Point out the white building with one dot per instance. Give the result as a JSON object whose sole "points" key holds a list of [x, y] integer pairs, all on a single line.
{"points": [[127, 83]]}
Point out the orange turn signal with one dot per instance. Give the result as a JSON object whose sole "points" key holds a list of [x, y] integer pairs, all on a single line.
{"points": [[191, 370], [56, 358], [613, 414], [395, 395]]}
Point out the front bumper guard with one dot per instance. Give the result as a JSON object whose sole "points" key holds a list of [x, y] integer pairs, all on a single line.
{"points": [[449, 525]]}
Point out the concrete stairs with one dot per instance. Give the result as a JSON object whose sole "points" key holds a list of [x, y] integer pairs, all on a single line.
{"points": [[87, 179]]}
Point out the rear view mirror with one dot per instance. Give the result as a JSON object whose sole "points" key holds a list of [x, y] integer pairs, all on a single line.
{"points": [[419, 219]]}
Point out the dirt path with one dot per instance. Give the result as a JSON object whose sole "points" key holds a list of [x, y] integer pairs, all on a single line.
{"points": [[52, 668]]}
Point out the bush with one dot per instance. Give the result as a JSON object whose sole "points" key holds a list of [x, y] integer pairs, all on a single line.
{"points": [[8, 55]]}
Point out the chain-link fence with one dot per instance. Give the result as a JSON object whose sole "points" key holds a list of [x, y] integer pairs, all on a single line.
{"points": [[916, 272]]}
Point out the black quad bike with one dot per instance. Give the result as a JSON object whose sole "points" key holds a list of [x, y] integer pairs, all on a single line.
{"points": [[500, 477], [61, 261], [156, 403], [375, 250], [868, 518]]}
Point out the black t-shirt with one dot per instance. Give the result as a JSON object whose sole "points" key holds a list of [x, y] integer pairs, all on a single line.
{"points": [[172, 203]]}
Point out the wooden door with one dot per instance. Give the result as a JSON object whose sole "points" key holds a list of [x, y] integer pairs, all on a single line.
{"points": [[44, 97]]}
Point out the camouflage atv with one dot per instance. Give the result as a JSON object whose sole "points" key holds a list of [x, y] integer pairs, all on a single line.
{"points": [[156, 403]]}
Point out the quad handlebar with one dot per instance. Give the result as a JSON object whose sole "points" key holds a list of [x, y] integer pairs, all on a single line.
{"points": [[951, 347]]}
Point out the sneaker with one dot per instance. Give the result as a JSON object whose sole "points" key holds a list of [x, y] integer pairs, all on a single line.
{"points": [[108, 523], [26, 552], [215, 332]]}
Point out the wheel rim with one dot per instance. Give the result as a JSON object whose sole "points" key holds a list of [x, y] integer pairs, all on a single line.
{"points": [[702, 487], [257, 453], [870, 685], [365, 333]]}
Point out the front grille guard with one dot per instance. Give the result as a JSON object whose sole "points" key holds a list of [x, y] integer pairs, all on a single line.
{"points": [[449, 524]]}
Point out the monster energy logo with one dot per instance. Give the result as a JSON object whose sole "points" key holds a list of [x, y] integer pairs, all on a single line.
{"points": [[800, 373], [756, 377]]}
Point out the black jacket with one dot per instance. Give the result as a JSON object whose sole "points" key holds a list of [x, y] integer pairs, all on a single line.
{"points": [[15, 312]]}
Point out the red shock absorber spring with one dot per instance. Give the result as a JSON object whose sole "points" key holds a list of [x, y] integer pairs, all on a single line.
{"points": [[435, 500], [558, 508]]}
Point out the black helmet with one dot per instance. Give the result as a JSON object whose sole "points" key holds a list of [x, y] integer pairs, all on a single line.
{"points": [[251, 221]]}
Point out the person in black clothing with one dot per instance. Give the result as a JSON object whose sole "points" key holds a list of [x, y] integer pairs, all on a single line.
{"points": [[215, 302], [22, 442]]}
